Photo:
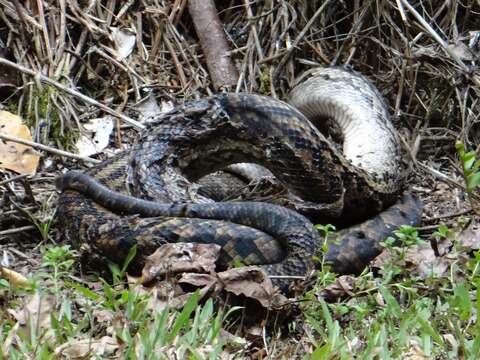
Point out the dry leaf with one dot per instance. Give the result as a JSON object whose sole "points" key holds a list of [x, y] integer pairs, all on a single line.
{"points": [[17, 157], [470, 238], [342, 287], [178, 258], [198, 280], [149, 108], [124, 40], [15, 278], [415, 353], [420, 259], [103, 315], [196, 263], [81, 349], [252, 282], [98, 138], [35, 315], [384, 257], [423, 259]]}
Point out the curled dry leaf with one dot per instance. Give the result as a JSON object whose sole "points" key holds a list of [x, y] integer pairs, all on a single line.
{"points": [[252, 282], [384, 257], [196, 263], [88, 348], [340, 288], [13, 156], [198, 280], [415, 353], [103, 316], [162, 293], [179, 258], [15, 278]]}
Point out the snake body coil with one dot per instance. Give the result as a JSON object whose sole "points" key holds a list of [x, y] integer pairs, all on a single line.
{"points": [[156, 179]]}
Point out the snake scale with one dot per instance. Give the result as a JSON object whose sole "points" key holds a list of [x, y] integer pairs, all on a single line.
{"points": [[148, 195]]}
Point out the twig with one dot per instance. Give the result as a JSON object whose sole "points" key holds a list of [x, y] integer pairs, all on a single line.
{"points": [[253, 29], [46, 38], [438, 39], [72, 92], [17, 230], [441, 176], [178, 67], [299, 38], [47, 148], [13, 178]]}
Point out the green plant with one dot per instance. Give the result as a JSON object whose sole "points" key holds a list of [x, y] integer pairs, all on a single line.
{"points": [[470, 166], [60, 259], [324, 276]]}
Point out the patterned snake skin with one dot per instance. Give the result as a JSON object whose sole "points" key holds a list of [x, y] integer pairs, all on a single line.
{"points": [[148, 195]]}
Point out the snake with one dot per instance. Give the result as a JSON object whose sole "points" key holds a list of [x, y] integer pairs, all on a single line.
{"points": [[149, 195]]}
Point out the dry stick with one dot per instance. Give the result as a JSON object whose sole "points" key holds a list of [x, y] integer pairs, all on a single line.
{"points": [[177, 39], [441, 176], [17, 230], [353, 31], [209, 30], [72, 92], [299, 38], [254, 29], [14, 178], [438, 39], [47, 148], [46, 38], [176, 62]]}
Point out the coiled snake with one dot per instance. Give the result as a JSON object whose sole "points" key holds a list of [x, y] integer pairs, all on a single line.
{"points": [[147, 195]]}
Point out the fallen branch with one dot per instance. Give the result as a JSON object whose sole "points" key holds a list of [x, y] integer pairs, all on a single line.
{"points": [[209, 30]]}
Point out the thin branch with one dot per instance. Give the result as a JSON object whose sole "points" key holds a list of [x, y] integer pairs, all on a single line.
{"points": [[438, 39], [87, 99], [299, 38], [47, 148]]}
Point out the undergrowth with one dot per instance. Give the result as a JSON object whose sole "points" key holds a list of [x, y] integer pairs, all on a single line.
{"points": [[390, 314]]}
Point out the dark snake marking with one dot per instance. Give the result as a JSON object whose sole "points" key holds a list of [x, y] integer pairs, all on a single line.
{"points": [[153, 181]]}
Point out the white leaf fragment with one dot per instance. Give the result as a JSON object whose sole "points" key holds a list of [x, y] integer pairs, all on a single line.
{"points": [[97, 138], [124, 41]]}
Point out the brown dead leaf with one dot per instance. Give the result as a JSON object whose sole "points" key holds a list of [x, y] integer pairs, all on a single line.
{"points": [[342, 287], [422, 258], [198, 280], [470, 237], [252, 282], [34, 316], [17, 157], [419, 259], [196, 263], [36, 312], [384, 257], [168, 292], [15, 278], [179, 258], [81, 349]]}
